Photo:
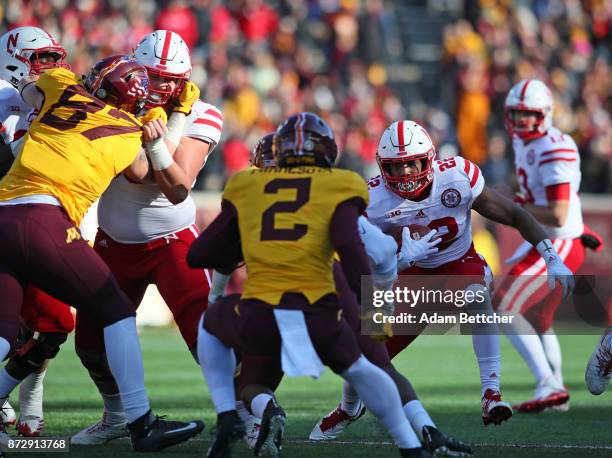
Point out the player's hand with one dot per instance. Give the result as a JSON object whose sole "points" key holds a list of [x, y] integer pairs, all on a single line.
{"points": [[385, 333], [188, 96], [153, 130], [415, 250], [153, 114], [557, 271]]}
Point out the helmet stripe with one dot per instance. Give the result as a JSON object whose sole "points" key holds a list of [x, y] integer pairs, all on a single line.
{"points": [[524, 90], [166, 48], [400, 137]]}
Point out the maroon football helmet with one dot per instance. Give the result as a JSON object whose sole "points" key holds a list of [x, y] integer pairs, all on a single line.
{"points": [[262, 155], [119, 81], [304, 139]]}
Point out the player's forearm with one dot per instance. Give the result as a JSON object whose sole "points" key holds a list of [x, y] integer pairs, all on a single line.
{"points": [[218, 246], [555, 216], [528, 226], [173, 182], [347, 243]]}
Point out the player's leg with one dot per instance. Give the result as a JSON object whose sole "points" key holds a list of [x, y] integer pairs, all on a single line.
{"points": [[129, 267], [599, 367], [185, 290], [50, 321], [10, 305], [337, 346], [70, 270], [523, 289]]}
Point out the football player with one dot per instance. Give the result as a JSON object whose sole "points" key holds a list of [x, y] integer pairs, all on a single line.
{"points": [[85, 134], [413, 188], [289, 220], [28, 51], [147, 222], [548, 171]]}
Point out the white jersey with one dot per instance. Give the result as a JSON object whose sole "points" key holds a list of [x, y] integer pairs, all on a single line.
{"points": [[550, 160], [14, 113], [137, 213], [447, 208]]}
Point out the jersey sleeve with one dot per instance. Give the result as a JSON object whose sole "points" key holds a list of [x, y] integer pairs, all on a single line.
{"points": [[559, 165], [473, 174], [52, 84], [205, 122]]}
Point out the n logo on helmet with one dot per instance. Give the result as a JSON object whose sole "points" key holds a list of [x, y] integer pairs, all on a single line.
{"points": [[12, 42]]}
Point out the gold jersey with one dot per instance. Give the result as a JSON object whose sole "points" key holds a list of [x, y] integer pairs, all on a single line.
{"points": [[74, 147], [284, 218]]}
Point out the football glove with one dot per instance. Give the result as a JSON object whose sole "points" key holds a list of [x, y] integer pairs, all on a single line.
{"points": [[188, 96], [415, 250], [153, 114], [556, 270]]}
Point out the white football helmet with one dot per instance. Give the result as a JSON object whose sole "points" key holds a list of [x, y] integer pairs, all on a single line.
{"points": [[529, 95], [405, 143], [28, 50], [164, 54]]}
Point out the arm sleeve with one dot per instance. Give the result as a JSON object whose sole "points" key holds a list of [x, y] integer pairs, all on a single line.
{"points": [[474, 176], [218, 246], [380, 248], [347, 243]]}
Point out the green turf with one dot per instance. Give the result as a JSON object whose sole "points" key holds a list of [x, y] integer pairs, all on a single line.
{"points": [[442, 368]]}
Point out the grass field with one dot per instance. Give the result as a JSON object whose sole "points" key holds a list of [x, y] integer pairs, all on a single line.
{"points": [[442, 368]]}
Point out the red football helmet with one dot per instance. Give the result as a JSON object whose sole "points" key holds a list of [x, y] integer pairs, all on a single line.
{"points": [[119, 81]]}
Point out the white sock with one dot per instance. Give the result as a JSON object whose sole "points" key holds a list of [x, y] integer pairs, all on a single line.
{"points": [[218, 364], [417, 416], [552, 350], [7, 384], [379, 394], [113, 408], [350, 400], [259, 403], [485, 341], [529, 346], [31, 395], [125, 361], [244, 413]]}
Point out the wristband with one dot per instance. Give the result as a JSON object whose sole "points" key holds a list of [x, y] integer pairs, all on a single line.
{"points": [[219, 282], [157, 151], [547, 251], [176, 126]]}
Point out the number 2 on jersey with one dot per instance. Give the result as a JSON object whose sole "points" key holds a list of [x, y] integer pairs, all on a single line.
{"points": [[269, 231]]}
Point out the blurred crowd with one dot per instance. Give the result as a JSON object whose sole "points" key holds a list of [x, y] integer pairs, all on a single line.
{"points": [[261, 60]]}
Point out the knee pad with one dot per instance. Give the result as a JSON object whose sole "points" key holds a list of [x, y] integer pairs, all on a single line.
{"points": [[32, 355]]}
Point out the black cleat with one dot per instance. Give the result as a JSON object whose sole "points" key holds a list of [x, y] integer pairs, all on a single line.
{"points": [[420, 452], [269, 441], [151, 433], [230, 429], [439, 444]]}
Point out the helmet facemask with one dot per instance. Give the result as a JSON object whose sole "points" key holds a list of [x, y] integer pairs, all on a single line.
{"points": [[43, 59], [518, 123], [407, 177], [159, 97]]}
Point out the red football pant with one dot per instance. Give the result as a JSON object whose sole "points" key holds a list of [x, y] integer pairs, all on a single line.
{"points": [[161, 262], [471, 268], [525, 289]]}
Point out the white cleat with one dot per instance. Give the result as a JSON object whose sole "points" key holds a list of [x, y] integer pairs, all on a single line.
{"points": [[30, 426], [7, 414], [331, 425], [599, 368], [102, 432], [494, 409], [252, 427]]}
